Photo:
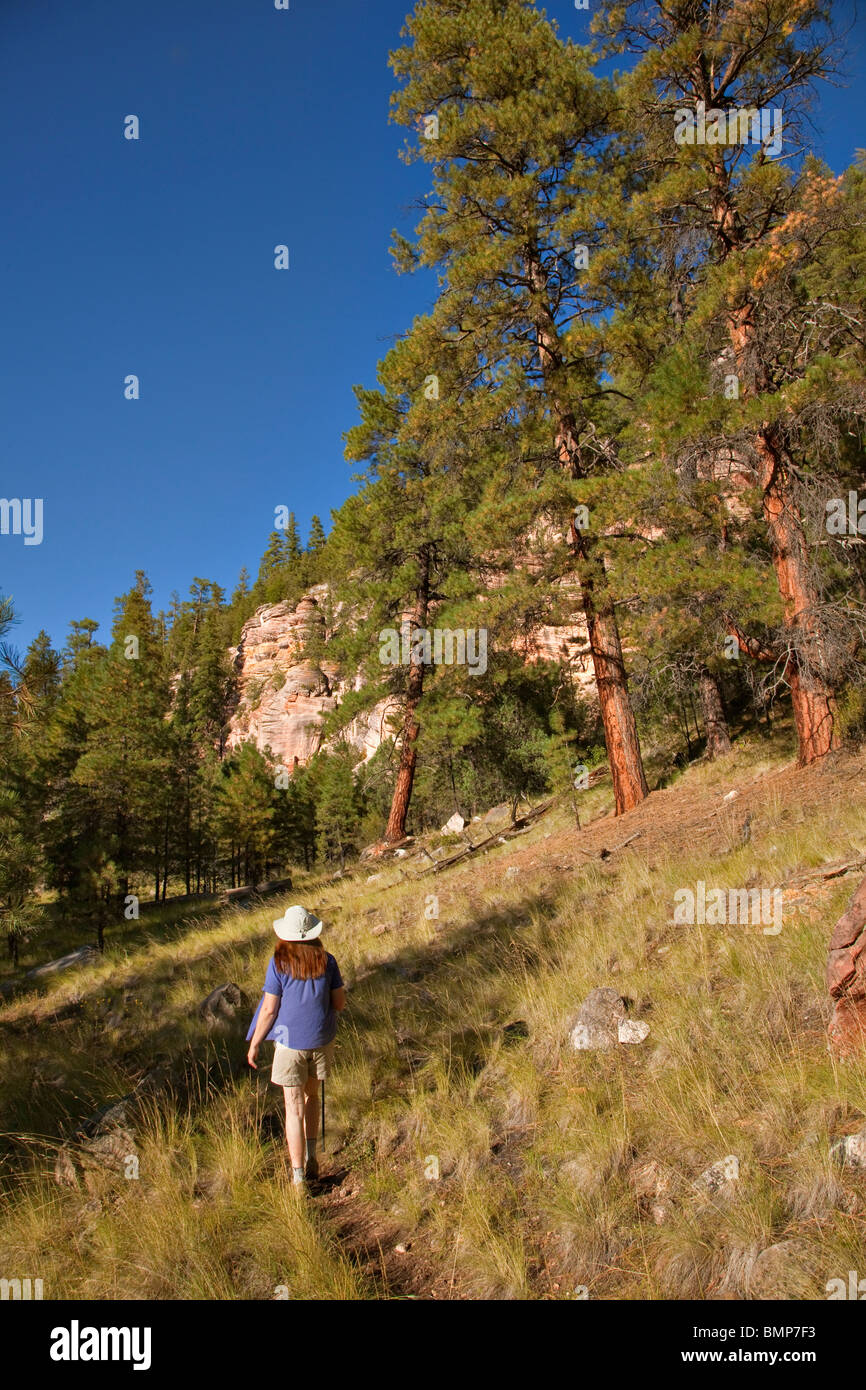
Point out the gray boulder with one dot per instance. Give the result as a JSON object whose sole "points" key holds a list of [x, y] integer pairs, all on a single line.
{"points": [[106, 1140], [718, 1181], [223, 1004], [596, 1027], [850, 1152], [632, 1030], [785, 1271]]}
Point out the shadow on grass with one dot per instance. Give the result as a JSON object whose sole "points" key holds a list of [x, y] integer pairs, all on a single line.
{"points": [[59, 1073]]}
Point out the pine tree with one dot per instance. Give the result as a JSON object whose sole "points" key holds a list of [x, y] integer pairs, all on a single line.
{"points": [[518, 122], [70, 828], [734, 230], [20, 913], [292, 548], [27, 689], [246, 810], [126, 764], [295, 820], [242, 588], [339, 805], [404, 550], [317, 538], [271, 562]]}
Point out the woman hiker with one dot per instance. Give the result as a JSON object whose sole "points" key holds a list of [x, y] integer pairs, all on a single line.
{"points": [[298, 1010]]}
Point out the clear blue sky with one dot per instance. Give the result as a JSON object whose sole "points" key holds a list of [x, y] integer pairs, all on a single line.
{"points": [[155, 257]]}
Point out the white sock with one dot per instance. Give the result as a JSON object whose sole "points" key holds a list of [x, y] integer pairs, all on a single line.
{"points": [[298, 1174]]}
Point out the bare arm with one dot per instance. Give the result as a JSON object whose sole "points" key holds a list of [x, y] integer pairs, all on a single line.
{"points": [[270, 1009], [338, 999]]}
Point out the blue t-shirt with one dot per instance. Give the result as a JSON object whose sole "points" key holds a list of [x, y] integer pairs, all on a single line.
{"points": [[305, 1019]]}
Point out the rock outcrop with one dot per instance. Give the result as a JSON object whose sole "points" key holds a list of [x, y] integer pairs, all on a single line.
{"points": [[846, 978], [283, 691]]}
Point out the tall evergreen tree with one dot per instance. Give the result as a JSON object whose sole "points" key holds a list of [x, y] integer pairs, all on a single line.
{"points": [[405, 548], [514, 122], [126, 764], [736, 226], [317, 537]]}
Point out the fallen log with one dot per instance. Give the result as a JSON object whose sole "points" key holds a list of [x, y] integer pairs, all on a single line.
{"points": [[516, 828], [606, 853]]}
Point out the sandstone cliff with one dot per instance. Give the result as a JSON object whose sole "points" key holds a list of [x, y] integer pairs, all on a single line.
{"points": [[283, 693]]}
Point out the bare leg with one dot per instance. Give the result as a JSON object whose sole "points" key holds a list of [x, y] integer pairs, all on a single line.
{"points": [[311, 1108], [295, 1124]]}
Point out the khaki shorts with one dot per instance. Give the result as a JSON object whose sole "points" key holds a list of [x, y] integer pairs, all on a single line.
{"points": [[292, 1068]]}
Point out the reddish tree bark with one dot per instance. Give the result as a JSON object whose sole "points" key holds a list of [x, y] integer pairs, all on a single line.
{"points": [[715, 723], [396, 828], [812, 694], [620, 728]]}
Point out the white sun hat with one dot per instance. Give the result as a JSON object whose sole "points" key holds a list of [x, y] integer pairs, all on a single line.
{"points": [[297, 924]]}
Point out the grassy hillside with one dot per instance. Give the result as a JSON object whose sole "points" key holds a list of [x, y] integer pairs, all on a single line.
{"points": [[559, 1172]]}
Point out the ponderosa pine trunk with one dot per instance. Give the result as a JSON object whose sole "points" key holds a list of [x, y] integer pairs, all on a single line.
{"points": [[713, 711], [812, 695], [396, 828], [620, 728]]}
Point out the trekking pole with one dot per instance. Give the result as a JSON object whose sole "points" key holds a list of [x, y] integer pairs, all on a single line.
{"points": [[323, 1116]]}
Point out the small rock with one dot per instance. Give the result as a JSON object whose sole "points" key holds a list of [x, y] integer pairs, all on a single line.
{"points": [[850, 1152], [105, 1140], [454, 825], [374, 878], [403, 1248], [782, 1271], [374, 851], [652, 1187], [632, 1030], [729, 796], [719, 1178], [222, 1004], [65, 1172], [597, 1024], [512, 870], [379, 930], [583, 1173]]}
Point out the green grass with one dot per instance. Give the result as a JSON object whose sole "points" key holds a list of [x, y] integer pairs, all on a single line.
{"points": [[542, 1153]]}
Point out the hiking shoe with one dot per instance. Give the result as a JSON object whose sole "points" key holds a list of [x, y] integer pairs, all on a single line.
{"points": [[311, 1171]]}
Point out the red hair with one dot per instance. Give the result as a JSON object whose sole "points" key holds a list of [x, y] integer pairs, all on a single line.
{"points": [[302, 960]]}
